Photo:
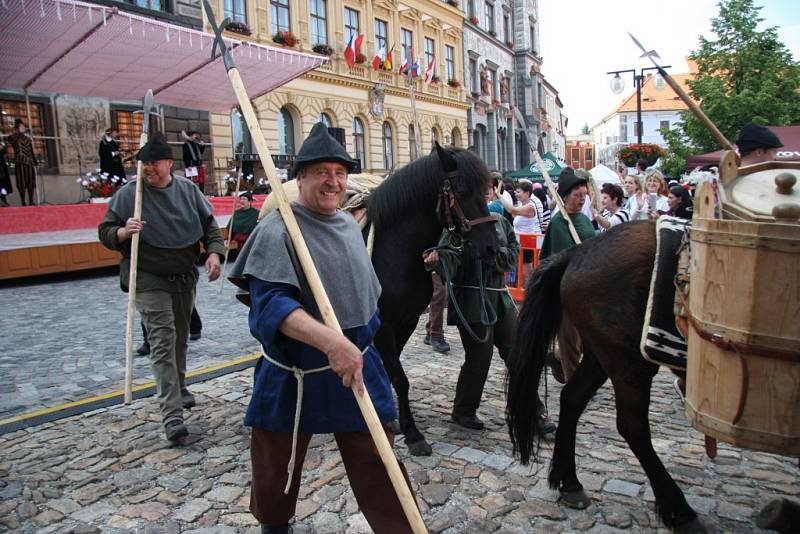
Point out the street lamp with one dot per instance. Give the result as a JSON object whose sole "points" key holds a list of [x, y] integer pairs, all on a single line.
{"points": [[618, 85]]}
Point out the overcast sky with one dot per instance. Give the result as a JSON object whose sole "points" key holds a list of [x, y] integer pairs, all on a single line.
{"points": [[581, 40]]}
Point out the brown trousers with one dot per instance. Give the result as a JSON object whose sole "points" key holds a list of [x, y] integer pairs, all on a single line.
{"points": [[435, 325], [270, 451]]}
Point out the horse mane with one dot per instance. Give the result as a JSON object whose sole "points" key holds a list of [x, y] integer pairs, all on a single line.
{"points": [[414, 187]]}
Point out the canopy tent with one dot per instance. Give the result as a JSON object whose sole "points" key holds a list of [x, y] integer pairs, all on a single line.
{"points": [[553, 165], [603, 175], [789, 136], [79, 48]]}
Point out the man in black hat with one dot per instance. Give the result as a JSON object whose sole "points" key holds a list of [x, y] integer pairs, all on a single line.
{"points": [[24, 161], [176, 218], [110, 155], [757, 144], [573, 190], [308, 367]]}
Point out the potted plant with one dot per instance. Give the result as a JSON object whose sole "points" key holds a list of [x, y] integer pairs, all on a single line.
{"points": [[435, 79], [455, 84], [453, 3], [361, 58], [493, 33], [630, 154], [510, 44], [239, 27], [286, 38], [100, 186], [474, 20], [322, 48]]}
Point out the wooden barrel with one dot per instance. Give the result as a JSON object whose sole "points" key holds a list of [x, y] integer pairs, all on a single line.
{"points": [[743, 373]]}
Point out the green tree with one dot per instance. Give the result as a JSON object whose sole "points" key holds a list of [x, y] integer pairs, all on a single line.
{"points": [[586, 130], [743, 74]]}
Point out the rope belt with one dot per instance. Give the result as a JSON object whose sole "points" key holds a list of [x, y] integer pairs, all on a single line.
{"points": [[299, 375], [500, 289]]}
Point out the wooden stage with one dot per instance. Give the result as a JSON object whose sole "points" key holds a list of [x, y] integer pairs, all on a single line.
{"points": [[37, 240]]}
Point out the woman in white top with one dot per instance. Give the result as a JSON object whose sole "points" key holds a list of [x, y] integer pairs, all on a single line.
{"points": [[613, 213], [655, 184], [528, 210], [637, 200]]}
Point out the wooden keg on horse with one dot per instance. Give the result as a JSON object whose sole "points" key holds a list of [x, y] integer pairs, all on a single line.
{"points": [[743, 374]]}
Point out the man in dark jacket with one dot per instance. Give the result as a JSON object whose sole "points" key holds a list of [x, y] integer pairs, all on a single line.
{"points": [[176, 218], [110, 155], [193, 159]]}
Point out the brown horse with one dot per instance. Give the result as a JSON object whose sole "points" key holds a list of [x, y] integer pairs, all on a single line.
{"points": [[602, 285]]}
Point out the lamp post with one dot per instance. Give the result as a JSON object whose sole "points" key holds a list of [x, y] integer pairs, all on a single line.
{"points": [[618, 85]]}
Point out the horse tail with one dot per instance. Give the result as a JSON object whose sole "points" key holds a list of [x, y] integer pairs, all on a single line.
{"points": [[537, 327]]}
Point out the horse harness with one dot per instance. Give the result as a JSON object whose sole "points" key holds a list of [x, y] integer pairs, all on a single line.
{"points": [[450, 212]]}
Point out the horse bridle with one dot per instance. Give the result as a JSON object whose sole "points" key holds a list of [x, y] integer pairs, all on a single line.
{"points": [[450, 210]]}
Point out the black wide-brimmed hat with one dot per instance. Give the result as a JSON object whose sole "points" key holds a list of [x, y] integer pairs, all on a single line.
{"points": [[755, 136], [568, 180], [322, 146], [246, 194], [155, 149]]}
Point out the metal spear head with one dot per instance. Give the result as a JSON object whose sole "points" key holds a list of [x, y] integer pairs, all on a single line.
{"points": [[148, 110], [227, 59], [651, 54]]}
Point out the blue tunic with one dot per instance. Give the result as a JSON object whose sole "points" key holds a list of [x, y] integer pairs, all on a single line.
{"points": [[327, 406]]}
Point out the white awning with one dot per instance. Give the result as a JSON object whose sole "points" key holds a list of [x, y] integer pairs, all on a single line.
{"points": [[79, 48]]}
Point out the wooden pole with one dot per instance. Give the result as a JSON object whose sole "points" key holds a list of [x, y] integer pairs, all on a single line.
{"points": [[137, 214], [230, 225]]}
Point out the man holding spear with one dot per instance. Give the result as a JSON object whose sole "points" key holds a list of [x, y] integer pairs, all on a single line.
{"points": [[176, 217], [302, 384]]}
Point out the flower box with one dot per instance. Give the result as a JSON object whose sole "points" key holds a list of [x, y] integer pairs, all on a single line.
{"points": [[322, 48], [239, 27], [493, 33], [453, 3], [510, 44], [455, 84], [286, 38], [474, 20], [630, 155], [100, 185], [435, 79]]}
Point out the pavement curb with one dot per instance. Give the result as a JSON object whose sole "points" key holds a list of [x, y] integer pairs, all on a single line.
{"points": [[46, 415]]}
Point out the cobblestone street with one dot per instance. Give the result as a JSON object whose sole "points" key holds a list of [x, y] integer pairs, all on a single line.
{"points": [[112, 471]]}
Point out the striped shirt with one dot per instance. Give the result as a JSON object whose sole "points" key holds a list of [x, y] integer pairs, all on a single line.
{"points": [[618, 217]]}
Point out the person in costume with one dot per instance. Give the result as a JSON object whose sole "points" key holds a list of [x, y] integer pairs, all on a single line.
{"points": [[193, 159], [176, 218], [757, 144], [573, 191], [110, 155], [302, 382], [24, 161], [5, 177], [243, 222], [489, 315]]}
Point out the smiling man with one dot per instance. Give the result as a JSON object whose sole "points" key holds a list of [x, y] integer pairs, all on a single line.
{"points": [[175, 219], [302, 383]]}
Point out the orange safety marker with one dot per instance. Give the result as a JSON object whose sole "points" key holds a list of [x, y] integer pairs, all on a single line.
{"points": [[515, 279]]}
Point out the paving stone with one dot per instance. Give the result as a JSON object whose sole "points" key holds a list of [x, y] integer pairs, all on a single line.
{"points": [[436, 494], [192, 510], [226, 494], [151, 511], [622, 488]]}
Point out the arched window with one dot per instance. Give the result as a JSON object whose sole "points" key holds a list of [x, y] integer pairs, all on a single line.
{"points": [[434, 137], [285, 131], [325, 119], [501, 150], [358, 142], [388, 146], [242, 143], [455, 137], [412, 143]]}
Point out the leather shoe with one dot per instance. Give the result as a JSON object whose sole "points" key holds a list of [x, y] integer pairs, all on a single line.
{"points": [[195, 337], [176, 430], [547, 426], [427, 339], [439, 344], [468, 421], [144, 349], [187, 398]]}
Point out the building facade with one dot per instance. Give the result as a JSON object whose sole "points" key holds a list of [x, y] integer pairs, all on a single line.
{"points": [[660, 107], [553, 122], [580, 153], [373, 107], [502, 58]]}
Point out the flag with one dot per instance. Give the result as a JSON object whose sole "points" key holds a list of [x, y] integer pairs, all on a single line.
{"points": [[403, 66], [415, 67], [387, 65], [379, 59], [353, 49], [430, 69]]}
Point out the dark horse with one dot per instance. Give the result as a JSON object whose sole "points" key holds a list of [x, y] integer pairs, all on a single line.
{"points": [[409, 211], [602, 285]]}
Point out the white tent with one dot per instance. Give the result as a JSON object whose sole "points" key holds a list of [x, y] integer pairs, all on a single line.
{"points": [[603, 174]]}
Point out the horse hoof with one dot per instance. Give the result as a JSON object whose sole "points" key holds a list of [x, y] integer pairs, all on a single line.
{"points": [[575, 499], [395, 426], [692, 527], [419, 448]]}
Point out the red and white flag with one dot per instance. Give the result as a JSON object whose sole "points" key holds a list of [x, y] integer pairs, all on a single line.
{"points": [[430, 70], [353, 49], [403, 66], [379, 59]]}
